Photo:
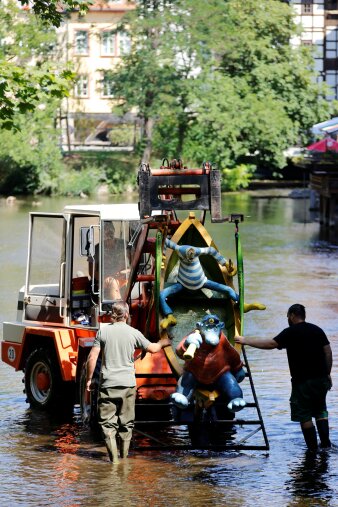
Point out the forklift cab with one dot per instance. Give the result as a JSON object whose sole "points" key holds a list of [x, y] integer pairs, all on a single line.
{"points": [[78, 264]]}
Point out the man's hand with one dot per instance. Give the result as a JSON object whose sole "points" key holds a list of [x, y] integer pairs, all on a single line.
{"points": [[165, 341], [239, 339], [111, 283], [330, 382], [89, 387]]}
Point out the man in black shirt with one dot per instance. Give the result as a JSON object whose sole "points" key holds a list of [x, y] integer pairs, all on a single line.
{"points": [[310, 362]]}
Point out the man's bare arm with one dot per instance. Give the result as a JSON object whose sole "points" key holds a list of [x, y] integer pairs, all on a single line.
{"points": [[91, 363], [258, 343], [156, 347]]}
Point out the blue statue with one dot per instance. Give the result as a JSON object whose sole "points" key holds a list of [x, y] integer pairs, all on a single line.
{"points": [[191, 276], [215, 365]]}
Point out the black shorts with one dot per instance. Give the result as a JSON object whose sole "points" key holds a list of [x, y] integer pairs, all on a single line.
{"points": [[308, 399]]}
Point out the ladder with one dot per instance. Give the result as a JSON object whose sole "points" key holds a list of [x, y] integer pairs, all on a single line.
{"points": [[153, 434]]}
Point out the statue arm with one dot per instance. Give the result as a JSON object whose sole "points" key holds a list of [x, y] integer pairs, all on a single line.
{"points": [[171, 244], [180, 349], [194, 338], [212, 251]]}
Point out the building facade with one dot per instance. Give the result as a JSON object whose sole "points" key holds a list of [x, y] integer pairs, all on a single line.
{"points": [[319, 22], [94, 46]]}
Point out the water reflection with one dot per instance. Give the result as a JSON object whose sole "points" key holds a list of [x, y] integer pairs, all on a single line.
{"points": [[310, 475], [328, 237]]}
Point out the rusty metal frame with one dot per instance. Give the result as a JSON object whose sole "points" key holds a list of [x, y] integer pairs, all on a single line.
{"points": [[162, 190]]}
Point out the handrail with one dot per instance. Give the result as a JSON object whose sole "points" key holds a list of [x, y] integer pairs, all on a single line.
{"points": [[62, 274]]}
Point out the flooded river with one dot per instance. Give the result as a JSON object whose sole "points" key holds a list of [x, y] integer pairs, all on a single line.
{"points": [[50, 462]]}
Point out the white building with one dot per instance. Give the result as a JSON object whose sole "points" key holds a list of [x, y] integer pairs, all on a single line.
{"points": [[94, 46], [319, 20]]}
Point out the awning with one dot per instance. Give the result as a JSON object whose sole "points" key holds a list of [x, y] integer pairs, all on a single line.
{"points": [[318, 128], [325, 145]]}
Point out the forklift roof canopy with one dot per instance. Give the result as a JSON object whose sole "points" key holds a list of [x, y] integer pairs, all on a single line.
{"points": [[125, 212]]}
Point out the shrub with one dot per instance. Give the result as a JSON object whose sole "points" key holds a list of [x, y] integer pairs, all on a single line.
{"points": [[237, 177]]}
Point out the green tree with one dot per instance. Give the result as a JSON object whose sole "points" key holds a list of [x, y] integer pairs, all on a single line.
{"points": [[53, 11], [30, 158], [274, 93], [219, 80], [28, 74], [153, 78], [30, 90]]}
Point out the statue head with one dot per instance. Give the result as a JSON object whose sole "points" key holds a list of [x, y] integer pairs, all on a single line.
{"points": [[190, 253], [210, 328]]}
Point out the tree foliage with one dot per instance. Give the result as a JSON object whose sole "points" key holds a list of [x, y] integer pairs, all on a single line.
{"points": [[31, 86], [153, 78], [272, 95], [53, 11], [30, 158], [29, 72], [219, 83]]}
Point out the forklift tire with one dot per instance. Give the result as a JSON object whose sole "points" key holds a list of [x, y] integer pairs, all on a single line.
{"points": [[44, 386]]}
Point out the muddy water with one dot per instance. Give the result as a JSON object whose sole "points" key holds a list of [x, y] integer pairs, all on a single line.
{"points": [[49, 462]]}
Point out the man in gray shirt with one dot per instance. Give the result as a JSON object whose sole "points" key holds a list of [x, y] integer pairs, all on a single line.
{"points": [[117, 392]]}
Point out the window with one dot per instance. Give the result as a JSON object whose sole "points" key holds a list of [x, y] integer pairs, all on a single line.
{"points": [[116, 263], [124, 43], [332, 82], [107, 86], [331, 5], [81, 42], [307, 7], [331, 42], [47, 253], [81, 87], [107, 43]]}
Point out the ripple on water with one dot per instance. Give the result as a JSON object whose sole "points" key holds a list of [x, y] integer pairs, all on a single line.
{"points": [[58, 463]]}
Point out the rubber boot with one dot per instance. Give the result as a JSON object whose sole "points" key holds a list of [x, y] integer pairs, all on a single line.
{"points": [[112, 449], [310, 437], [323, 432], [124, 448]]}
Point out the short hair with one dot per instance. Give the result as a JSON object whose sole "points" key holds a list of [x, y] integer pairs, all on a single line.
{"points": [[119, 311], [298, 310]]}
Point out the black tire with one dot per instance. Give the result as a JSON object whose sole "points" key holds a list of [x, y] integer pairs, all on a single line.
{"points": [[88, 401], [44, 387]]}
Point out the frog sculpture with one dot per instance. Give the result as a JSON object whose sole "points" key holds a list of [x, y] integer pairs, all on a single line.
{"points": [[215, 364]]}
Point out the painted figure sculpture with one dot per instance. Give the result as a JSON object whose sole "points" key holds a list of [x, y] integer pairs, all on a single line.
{"points": [[215, 364], [191, 276]]}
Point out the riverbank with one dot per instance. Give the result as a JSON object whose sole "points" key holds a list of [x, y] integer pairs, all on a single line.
{"points": [[264, 184]]}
